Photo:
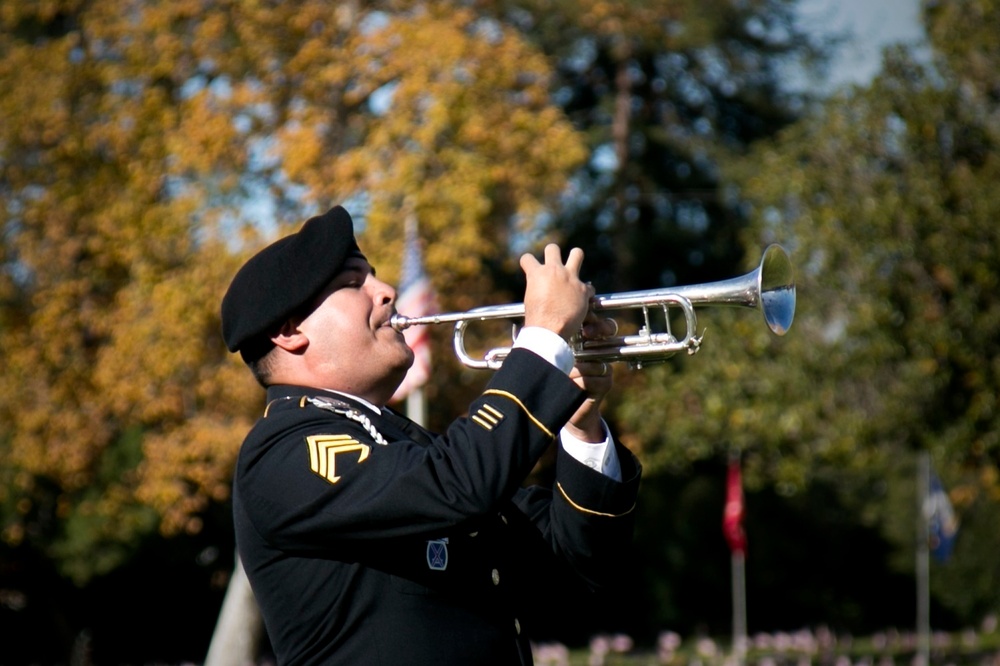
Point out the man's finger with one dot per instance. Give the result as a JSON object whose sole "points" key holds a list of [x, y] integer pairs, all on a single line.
{"points": [[575, 260], [528, 262], [595, 328], [592, 369], [553, 255]]}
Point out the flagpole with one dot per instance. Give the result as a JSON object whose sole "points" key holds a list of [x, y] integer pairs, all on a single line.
{"points": [[738, 567], [732, 528], [415, 299], [416, 406], [923, 561]]}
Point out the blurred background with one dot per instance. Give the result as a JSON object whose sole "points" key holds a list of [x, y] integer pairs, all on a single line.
{"points": [[148, 148]]}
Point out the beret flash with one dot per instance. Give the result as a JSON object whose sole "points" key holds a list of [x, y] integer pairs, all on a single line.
{"points": [[283, 277]]}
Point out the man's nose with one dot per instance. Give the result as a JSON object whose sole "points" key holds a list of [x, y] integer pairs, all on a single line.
{"points": [[384, 293]]}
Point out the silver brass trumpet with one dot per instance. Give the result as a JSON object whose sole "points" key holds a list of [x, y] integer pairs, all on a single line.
{"points": [[769, 288]]}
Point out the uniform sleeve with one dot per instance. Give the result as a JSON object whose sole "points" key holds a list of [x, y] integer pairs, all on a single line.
{"points": [[587, 517], [309, 484]]}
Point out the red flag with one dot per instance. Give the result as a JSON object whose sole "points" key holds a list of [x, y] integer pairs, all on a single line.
{"points": [[416, 299], [732, 518]]}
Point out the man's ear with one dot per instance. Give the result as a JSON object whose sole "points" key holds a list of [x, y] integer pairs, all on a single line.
{"points": [[290, 338]]}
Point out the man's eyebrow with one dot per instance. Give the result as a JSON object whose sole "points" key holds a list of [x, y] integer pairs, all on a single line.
{"points": [[357, 269]]}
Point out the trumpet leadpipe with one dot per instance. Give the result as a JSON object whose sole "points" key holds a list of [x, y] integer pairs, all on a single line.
{"points": [[510, 311]]}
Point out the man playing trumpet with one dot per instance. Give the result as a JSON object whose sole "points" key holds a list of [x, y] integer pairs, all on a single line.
{"points": [[368, 539]]}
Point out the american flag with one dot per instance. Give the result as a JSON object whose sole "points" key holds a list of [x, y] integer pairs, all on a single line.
{"points": [[416, 299]]}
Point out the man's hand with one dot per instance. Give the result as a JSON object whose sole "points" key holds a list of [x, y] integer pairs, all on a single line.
{"points": [[595, 379], [555, 298]]}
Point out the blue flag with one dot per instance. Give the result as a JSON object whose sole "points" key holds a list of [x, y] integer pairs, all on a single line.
{"points": [[941, 521]]}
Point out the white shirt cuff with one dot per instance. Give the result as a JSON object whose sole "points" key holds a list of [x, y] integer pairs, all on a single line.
{"points": [[600, 456], [547, 344]]}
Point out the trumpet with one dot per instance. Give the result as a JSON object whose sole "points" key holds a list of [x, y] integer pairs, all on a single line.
{"points": [[769, 288]]}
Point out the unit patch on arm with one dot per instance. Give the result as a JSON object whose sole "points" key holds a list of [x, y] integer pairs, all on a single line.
{"points": [[323, 450]]}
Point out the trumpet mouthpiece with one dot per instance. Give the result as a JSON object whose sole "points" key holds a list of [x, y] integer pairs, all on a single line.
{"points": [[399, 322]]}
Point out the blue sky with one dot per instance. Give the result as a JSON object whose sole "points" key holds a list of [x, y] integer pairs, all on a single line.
{"points": [[867, 25]]}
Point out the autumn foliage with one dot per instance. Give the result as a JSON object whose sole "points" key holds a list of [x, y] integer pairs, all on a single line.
{"points": [[138, 143]]}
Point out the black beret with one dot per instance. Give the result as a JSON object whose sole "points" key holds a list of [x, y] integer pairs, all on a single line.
{"points": [[284, 276]]}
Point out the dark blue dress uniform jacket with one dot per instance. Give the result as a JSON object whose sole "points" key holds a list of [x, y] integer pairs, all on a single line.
{"points": [[368, 540]]}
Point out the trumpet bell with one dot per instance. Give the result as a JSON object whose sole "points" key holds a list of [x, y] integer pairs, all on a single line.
{"points": [[769, 288], [777, 290]]}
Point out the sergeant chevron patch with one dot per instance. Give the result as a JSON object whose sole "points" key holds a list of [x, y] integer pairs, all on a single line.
{"points": [[323, 450], [488, 417]]}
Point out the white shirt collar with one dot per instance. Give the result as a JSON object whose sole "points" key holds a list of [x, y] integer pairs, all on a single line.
{"points": [[357, 399]]}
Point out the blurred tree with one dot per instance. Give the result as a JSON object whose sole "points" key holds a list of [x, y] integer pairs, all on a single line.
{"points": [[963, 36], [109, 309], [664, 90], [139, 142], [883, 196], [887, 198]]}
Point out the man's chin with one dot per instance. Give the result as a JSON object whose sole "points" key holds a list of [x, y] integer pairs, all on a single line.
{"points": [[405, 360]]}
